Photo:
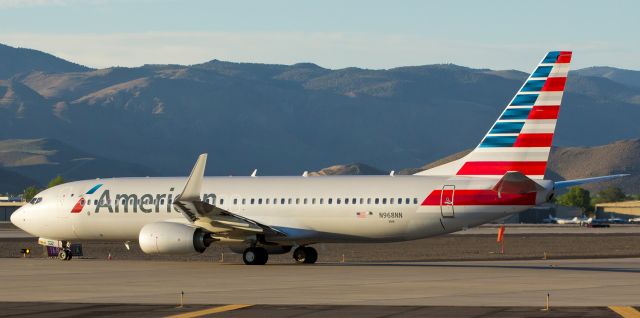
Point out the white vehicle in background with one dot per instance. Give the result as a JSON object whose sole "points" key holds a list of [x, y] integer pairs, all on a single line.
{"points": [[575, 220]]}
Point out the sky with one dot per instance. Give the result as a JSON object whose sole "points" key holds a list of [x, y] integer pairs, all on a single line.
{"points": [[331, 33]]}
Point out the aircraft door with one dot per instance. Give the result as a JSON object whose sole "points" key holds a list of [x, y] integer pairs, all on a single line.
{"points": [[447, 197]]}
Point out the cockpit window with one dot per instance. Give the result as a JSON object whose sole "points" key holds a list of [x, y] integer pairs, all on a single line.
{"points": [[36, 200]]}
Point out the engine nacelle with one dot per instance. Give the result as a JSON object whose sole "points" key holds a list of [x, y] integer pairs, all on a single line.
{"points": [[173, 238]]}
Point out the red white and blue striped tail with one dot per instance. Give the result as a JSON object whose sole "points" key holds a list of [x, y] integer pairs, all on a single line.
{"points": [[520, 140]]}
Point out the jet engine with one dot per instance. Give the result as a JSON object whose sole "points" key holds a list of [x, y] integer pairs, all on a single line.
{"points": [[173, 238]]}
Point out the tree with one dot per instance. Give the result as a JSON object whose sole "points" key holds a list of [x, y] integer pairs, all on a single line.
{"points": [[29, 193], [611, 194], [55, 181], [577, 197]]}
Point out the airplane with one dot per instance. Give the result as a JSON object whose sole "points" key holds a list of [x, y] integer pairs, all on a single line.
{"points": [[575, 220], [262, 215]]}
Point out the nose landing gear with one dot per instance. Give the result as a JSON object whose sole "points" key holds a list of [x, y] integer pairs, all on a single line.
{"points": [[64, 254], [305, 255]]}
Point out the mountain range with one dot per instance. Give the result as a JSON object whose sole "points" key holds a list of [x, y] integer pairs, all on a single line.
{"points": [[283, 119]]}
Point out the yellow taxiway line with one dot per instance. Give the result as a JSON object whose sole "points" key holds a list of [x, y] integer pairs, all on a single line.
{"points": [[209, 311], [625, 311]]}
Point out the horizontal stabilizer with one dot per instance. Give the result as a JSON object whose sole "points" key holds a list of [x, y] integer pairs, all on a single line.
{"points": [[515, 182], [575, 182]]}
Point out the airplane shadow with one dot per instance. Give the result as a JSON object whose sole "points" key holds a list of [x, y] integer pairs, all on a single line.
{"points": [[549, 267]]}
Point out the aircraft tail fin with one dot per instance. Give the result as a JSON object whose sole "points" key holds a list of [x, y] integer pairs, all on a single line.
{"points": [[520, 140]]}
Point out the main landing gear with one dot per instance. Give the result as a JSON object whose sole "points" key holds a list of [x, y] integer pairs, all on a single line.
{"points": [[259, 255], [305, 255], [255, 256]]}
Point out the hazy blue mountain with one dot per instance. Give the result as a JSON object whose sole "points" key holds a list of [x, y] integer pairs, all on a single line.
{"points": [[14, 183], [622, 76], [18, 60], [40, 160], [284, 119]]}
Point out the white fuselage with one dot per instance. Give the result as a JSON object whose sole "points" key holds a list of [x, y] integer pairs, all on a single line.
{"points": [[306, 209]]}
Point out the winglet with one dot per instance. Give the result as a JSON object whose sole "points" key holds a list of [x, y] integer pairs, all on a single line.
{"points": [[191, 191]]}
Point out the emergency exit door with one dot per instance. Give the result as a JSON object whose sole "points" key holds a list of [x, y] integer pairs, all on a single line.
{"points": [[447, 197]]}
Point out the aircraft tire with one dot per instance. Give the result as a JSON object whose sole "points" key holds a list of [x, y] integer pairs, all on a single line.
{"points": [[311, 255], [299, 254], [255, 256], [305, 255], [64, 255]]}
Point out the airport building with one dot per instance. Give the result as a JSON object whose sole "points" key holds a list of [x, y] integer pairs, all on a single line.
{"points": [[624, 210], [7, 207]]}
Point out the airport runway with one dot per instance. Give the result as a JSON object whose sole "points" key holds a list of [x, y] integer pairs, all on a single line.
{"points": [[308, 311], [601, 282]]}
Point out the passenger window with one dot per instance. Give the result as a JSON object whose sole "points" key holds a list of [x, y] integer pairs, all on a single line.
{"points": [[368, 200], [321, 200], [244, 201], [346, 201], [377, 200], [260, 201], [361, 200], [415, 200], [235, 201], [304, 201], [282, 201], [406, 201], [253, 200], [329, 200], [391, 201], [297, 200], [313, 201], [221, 201], [384, 200], [266, 201], [289, 201], [338, 201], [399, 200], [95, 202]]}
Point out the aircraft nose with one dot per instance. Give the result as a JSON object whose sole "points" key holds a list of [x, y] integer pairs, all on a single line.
{"points": [[16, 217]]}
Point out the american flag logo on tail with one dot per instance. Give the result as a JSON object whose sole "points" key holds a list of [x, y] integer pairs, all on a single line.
{"points": [[520, 140]]}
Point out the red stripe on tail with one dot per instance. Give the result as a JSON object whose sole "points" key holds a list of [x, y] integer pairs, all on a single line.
{"points": [[564, 57], [544, 112], [534, 140], [498, 168], [555, 84]]}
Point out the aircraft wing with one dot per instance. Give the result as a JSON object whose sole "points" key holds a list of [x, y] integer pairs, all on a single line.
{"points": [[210, 216], [575, 182]]}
